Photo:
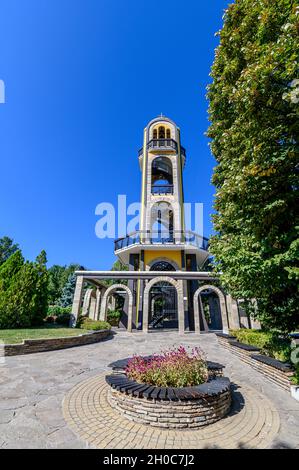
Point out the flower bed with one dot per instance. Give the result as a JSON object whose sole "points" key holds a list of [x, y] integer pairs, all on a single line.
{"points": [[174, 368], [174, 389]]}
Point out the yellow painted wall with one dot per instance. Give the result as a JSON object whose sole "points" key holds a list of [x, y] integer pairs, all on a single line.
{"points": [[175, 256]]}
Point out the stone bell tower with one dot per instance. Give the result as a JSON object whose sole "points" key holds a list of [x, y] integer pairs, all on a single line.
{"points": [[162, 159], [162, 243]]}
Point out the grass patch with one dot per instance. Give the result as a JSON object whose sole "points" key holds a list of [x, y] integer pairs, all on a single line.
{"points": [[15, 336]]}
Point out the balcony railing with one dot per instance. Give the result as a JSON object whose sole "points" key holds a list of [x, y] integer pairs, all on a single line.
{"points": [[162, 144], [162, 189], [175, 237]]}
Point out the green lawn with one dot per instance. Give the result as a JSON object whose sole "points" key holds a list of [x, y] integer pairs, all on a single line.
{"points": [[49, 331]]}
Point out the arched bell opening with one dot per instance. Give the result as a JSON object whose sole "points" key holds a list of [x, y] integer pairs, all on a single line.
{"points": [[162, 176], [162, 229]]}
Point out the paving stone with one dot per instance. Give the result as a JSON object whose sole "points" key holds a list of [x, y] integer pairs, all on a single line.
{"points": [[33, 387]]}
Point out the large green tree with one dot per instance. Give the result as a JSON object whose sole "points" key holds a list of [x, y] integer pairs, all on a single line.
{"points": [[23, 291], [254, 130]]}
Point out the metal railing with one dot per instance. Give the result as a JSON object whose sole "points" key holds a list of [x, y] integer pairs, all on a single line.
{"points": [[150, 237], [162, 189], [162, 144]]}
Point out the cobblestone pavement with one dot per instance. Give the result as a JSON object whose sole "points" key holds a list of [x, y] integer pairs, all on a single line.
{"points": [[34, 387]]}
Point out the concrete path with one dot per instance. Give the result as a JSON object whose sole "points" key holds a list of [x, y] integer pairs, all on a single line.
{"points": [[33, 387]]}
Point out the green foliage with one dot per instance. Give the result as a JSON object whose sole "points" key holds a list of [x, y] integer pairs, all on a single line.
{"points": [[295, 378], [56, 310], [7, 248], [117, 266], [113, 317], [23, 291], [68, 291], [59, 315], [272, 343], [63, 319], [95, 325], [254, 130], [58, 277]]}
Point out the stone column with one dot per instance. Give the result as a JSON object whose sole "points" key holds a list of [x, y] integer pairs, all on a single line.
{"points": [[92, 307], [181, 310], [130, 313], [77, 301], [145, 313], [223, 313], [103, 307], [86, 303], [199, 316], [233, 314], [98, 303]]}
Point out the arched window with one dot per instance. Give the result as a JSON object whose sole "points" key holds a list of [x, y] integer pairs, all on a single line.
{"points": [[161, 132], [155, 134], [162, 266], [168, 134]]}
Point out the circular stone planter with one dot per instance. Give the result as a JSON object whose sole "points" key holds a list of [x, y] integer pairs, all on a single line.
{"points": [[186, 407]]}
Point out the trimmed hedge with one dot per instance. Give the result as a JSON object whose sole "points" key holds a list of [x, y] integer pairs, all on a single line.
{"points": [[94, 325], [113, 317], [271, 343]]}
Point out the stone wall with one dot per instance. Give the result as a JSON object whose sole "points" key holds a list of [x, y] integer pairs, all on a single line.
{"points": [[280, 377], [172, 414], [30, 346], [276, 371]]}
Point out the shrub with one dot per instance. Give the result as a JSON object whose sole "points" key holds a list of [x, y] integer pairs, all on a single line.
{"points": [[57, 310], [113, 317], [50, 319], [295, 378], [173, 368], [61, 315], [63, 319], [94, 325], [272, 343]]}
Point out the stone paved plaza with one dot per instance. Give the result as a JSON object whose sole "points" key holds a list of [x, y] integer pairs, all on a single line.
{"points": [[58, 400]]}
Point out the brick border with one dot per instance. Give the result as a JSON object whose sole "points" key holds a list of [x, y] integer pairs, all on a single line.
{"points": [[253, 422], [190, 414], [30, 346], [276, 371]]}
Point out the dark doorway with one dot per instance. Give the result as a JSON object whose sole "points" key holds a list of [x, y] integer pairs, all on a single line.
{"points": [[163, 306], [211, 309]]}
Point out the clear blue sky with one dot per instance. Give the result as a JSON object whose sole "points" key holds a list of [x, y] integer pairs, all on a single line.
{"points": [[82, 79]]}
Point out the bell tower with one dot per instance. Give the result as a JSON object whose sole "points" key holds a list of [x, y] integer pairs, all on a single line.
{"points": [[162, 242], [162, 159]]}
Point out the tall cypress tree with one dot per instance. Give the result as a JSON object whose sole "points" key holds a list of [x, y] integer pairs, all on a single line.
{"points": [[254, 129]]}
